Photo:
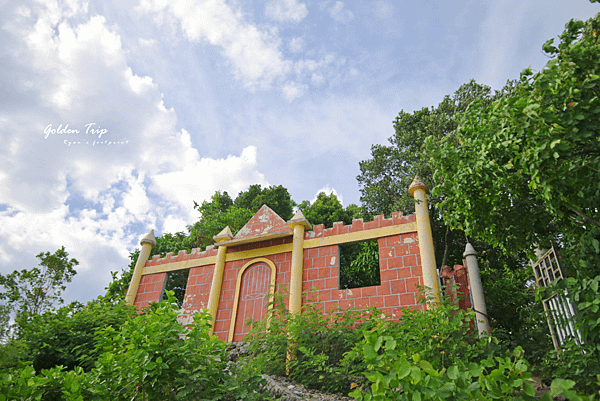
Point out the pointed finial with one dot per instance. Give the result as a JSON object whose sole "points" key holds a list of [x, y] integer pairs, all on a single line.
{"points": [[224, 235], [417, 184], [469, 250], [299, 219], [149, 239]]}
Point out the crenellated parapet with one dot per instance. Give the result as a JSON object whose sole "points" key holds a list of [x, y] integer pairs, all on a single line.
{"points": [[379, 221], [197, 253]]}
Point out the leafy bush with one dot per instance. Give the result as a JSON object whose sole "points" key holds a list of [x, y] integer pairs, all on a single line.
{"points": [[315, 341], [154, 357], [395, 376], [435, 355], [65, 337], [442, 335], [580, 363], [150, 357]]}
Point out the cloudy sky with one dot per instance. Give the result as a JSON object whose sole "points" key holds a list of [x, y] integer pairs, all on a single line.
{"points": [[116, 115]]}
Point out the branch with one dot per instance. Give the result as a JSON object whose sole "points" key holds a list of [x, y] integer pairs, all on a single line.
{"points": [[446, 247], [584, 216]]}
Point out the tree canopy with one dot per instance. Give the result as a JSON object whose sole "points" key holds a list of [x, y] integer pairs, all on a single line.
{"points": [[385, 178], [524, 171], [30, 292], [526, 168]]}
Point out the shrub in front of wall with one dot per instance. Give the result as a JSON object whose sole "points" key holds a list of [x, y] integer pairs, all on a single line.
{"points": [[309, 347]]}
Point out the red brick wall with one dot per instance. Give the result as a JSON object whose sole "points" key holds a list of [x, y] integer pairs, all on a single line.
{"points": [[150, 289], [197, 290], [399, 264]]}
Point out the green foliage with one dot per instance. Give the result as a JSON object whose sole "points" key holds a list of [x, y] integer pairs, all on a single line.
{"points": [[150, 357], [217, 214], [442, 336], [524, 169], [359, 265], [326, 210], [276, 197], [154, 357], [581, 260], [319, 343], [12, 353], [30, 292], [65, 337], [414, 378], [576, 362], [516, 317], [435, 355]]}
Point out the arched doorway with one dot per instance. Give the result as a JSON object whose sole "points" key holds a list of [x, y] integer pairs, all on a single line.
{"points": [[255, 282]]}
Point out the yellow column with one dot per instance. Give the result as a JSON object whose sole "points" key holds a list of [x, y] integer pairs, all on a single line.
{"points": [[217, 281], [147, 243], [418, 191], [298, 223]]}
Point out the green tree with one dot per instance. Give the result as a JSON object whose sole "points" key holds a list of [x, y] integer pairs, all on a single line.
{"points": [[327, 209], [217, 214], [385, 178], [30, 292], [65, 337], [525, 169], [221, 211], [276, 197]]}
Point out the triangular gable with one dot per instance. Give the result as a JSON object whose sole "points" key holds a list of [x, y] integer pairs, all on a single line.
{"points": [[264, 222]]}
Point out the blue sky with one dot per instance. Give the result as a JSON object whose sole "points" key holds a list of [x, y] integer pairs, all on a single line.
{"points": [[197, 96]]}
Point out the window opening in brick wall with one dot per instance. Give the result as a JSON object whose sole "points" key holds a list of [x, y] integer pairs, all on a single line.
{"points": [[176, 281], [359, 265]]}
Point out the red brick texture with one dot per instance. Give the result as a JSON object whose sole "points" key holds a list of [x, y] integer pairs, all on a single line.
{"points": [[457, 280], [197, 290], [150, 289], [400, 274]]}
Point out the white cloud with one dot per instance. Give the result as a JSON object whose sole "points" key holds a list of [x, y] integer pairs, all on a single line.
{"points": [[383, 10], [147, 42], [296, 45], [293, 90], [199, 178], [309, 65], [328, 190], [317, 79], [286, 10], [253, 53], [338, 13], [92, 199]]}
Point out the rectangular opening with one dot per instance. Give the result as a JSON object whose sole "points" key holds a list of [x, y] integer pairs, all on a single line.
{"points": [[176, 281], [359, 265]]}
